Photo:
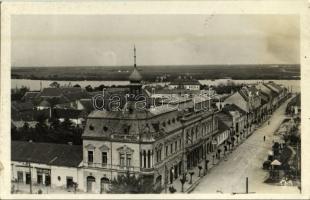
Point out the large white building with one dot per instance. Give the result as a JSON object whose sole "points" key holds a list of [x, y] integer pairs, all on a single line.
{"points": [[46, 164]]}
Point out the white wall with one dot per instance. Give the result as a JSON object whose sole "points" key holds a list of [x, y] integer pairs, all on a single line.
{"points": [[63, 172], [56, 171]]}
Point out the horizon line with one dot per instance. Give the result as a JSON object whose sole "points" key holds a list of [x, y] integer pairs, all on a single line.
{"points": [[157, 65]]}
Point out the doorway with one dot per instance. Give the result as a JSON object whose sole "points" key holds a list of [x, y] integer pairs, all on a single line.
{"points": [[104, 184], [90, 183]]}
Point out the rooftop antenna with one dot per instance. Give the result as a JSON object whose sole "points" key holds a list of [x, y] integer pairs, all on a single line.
{"points": [[134, 51]]}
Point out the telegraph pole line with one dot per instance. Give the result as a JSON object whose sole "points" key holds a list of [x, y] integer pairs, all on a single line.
{"points": [[30, 185]]}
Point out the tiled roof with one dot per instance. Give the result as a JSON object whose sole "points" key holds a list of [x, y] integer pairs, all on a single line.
{"points": [[104, 124], [47, 153], [51, 92], [274, 87], [71, 93], [21, 106], [226, 118], [87, 104], [73, 96], [222, 126], [233, 107], [30, 95], [246, 91]]}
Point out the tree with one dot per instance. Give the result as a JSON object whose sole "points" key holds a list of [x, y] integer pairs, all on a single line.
{"points": [[275, 148], [16, 95], [55, 124], [191, 174], [199, 167], [100, 87], [89, 88], [77, 86], [55, 85], [66, 124], [131, 184], [41, 128], [183, 180]]}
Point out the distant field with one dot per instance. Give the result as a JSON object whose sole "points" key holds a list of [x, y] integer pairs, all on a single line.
{"points": [[151, 73]]}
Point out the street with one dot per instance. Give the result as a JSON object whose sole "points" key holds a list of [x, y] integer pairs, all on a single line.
{"points": [[246, 161]]}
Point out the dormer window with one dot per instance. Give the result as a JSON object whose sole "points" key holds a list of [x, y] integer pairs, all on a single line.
{"points": [[91, 127]]}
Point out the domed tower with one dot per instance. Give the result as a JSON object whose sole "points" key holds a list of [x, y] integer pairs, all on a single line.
{"points": [[135, 79]]}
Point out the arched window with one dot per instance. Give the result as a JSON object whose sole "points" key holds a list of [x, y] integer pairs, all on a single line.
{"points": [[149, 159], [144, 158]]}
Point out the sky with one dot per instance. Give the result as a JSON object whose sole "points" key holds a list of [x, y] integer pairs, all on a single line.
{"points": [[108, 40]]}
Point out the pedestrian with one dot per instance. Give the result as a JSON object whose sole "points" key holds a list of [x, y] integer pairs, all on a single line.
{"points": [[264, 138], [268, 122]]}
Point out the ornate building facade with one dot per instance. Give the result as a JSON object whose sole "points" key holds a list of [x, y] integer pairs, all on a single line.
{"points": [[158, 142]]}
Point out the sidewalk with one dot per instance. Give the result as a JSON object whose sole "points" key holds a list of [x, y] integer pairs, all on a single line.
{"points": [[188, 188], [196, 178], [22, 188]]}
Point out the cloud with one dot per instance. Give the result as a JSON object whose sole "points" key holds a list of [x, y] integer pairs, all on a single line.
{"points": [[160, 39]]}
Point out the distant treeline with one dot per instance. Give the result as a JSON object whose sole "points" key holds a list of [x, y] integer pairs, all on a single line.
{"points": [[159, 73]]}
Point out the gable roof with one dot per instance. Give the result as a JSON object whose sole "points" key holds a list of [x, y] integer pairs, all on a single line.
{"points": [[232, 107], [274, 87], [87, 104], [30, 95], [71, 93], [47, 153], [247, 91], [51, 92]]}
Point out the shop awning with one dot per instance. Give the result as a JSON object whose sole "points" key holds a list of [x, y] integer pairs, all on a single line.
{"points": [[276, 163]]}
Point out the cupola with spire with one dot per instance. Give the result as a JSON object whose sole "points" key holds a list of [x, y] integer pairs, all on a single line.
{"points": [[135, 79], [135, 76]]}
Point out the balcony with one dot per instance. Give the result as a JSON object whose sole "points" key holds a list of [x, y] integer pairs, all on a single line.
{"points": [[147, 170], [112, 167], [125, 137]]}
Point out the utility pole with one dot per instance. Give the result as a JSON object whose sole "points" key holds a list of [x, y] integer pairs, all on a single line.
{"points": [[166, 178], [247, 185], [30, 177]]}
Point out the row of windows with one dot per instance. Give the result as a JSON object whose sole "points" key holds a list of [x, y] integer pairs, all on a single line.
{"points": [[124, 158], [197, 132], [169, 149], [145, 158]]}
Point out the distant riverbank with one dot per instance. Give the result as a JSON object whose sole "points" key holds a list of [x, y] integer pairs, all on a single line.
{"points": [[36, 84], [159, 73]]}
